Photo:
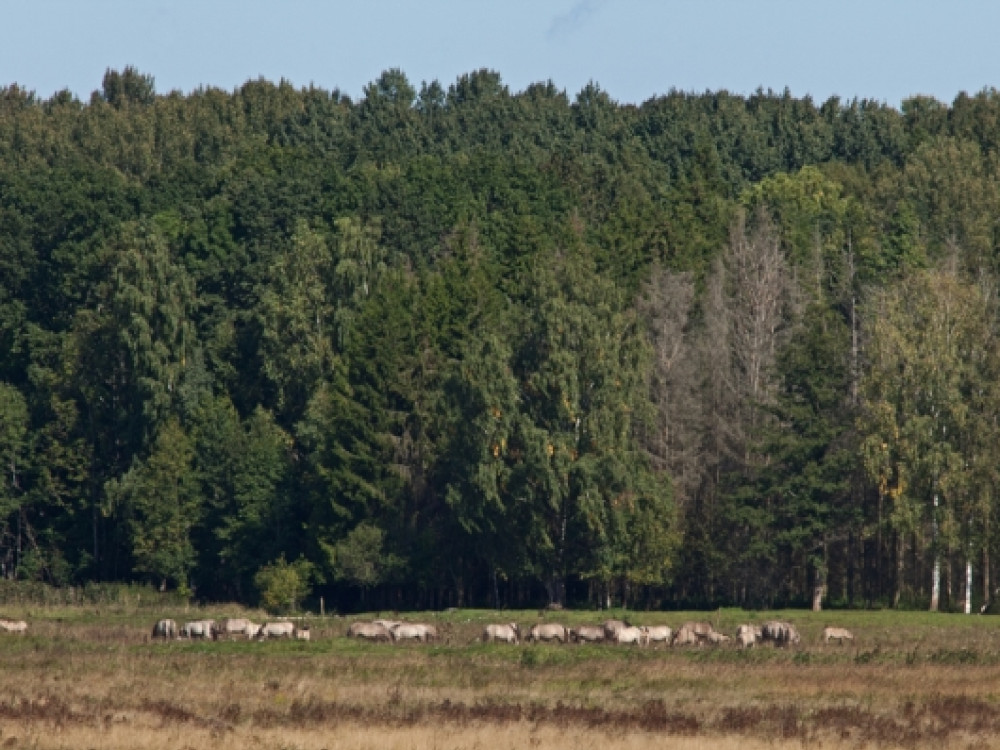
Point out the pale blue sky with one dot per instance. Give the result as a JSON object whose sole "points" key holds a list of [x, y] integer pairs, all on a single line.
{"points": [[634, 49]]}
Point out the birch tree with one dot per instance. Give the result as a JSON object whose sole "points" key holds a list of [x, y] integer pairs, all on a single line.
{"points": [[295, 315], [930, 350], [13, 447]]}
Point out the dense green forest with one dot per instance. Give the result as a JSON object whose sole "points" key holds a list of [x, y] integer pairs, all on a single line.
{"points": [[466, 346]]}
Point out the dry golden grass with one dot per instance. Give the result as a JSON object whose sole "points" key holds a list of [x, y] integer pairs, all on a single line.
{"points": [[92, 679], [125, 736]]}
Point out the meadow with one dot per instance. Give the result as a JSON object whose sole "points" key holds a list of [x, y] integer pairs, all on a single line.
{"points": [[90, 677]]}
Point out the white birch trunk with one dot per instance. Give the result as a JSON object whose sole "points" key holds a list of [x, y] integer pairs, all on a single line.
{"points": [[817, 599], [968, 587], [936, 573], [936, 584]]}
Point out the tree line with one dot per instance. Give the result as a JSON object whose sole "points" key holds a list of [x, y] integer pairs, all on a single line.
{"points": [[468, 346]]}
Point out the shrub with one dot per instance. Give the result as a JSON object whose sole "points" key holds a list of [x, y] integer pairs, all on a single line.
{"points": [[283, 585]]}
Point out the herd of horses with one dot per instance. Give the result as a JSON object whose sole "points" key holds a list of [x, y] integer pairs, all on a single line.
{"points": [[610, 631], [777, 632], [230, 627], [689, 634]]}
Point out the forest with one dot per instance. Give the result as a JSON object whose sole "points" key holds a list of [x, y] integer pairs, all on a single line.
{"points": [[463, 346]]}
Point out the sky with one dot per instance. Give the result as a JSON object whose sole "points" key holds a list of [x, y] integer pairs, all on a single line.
{"points": [[886, 50]]}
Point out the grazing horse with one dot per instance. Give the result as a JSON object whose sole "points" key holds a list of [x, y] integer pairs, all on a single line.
{"points": [[277, 630], [837, 634], [547, 632], [684, 636], [587, 634], [233, 626], [631, 635], [658, 634], [199, 629], [165, 628], [781, 633], [369, 631], [694, 633], [611, 628], [748, 635], [509, 633], [14, 626], [413, 631]]}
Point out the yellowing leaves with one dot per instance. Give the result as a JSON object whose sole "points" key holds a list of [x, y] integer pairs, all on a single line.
{"points": [[896, 492]]}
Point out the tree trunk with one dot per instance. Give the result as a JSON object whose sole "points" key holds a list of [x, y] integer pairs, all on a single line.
{"points": [[852, 551], [948, 578], [97, 558], [555, 587], [936, 583], [968, 586], [897, 594], [817, 605], [936, 571], [880, 551], [855, 344], [819, 582], [986, 577]]}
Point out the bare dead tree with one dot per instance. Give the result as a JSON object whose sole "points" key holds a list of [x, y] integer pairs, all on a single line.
{"points": [[757, 287], [714, 374], [744, 315], [673, 442], [744, 312]]}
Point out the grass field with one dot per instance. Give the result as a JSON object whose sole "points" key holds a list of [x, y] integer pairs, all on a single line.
{"points": [[89, 678]]}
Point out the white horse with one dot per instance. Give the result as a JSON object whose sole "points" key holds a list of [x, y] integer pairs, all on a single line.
{"points": [[277, 630], [199, 629], [508, 633], [165, 628]]}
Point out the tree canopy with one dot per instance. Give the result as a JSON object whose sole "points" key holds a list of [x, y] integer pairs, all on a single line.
{"points": [[456, 344]]}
